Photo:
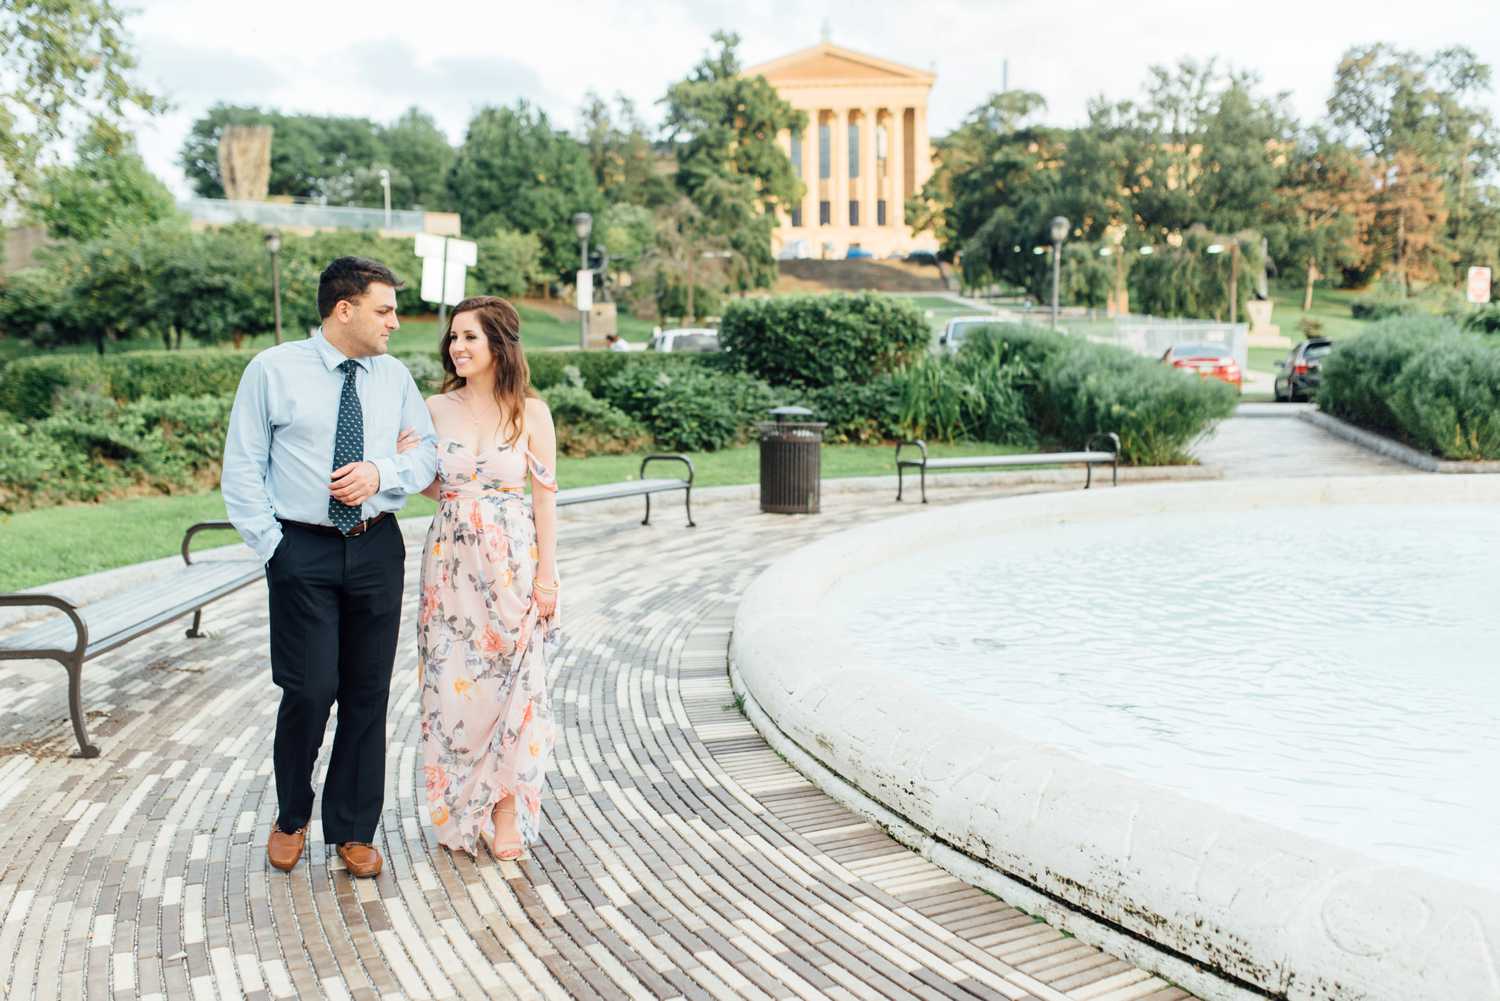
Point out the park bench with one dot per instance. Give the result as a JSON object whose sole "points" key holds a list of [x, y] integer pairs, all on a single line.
{"points": [[88, 631], [637, 488], [1089, 458]]}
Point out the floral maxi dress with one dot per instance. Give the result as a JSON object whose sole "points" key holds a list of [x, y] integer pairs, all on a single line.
{"points": [[482, 649]]}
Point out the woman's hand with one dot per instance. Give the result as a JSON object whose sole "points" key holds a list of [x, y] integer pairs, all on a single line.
{"points": [[545, 600], [407, 440]]}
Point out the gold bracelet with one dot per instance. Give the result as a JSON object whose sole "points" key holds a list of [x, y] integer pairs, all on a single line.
{"points": [[539, 586]]}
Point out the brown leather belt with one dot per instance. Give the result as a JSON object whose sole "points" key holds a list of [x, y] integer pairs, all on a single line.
{"points": [[360, 528]]}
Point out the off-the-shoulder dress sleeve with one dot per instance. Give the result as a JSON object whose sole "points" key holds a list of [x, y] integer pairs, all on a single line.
{"points": [[541, 476]]}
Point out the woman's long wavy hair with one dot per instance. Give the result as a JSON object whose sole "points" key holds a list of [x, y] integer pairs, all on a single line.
{"points": [[502, 328]]}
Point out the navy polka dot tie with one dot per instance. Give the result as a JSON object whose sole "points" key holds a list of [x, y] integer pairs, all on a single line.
{"points": [[348, 446]]}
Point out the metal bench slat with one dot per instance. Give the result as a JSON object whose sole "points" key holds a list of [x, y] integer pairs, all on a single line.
{"points": [[609, 491], [124, 616], [1037, 459]]}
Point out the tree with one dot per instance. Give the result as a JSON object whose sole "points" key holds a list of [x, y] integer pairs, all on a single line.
{"points": [[620, 153], [686, 270], [509, 264], [1393, 103], [1409, 219], [515, 171], [1329, 193], [107, 186], [312, 156], [724, 127], [63, 59]]}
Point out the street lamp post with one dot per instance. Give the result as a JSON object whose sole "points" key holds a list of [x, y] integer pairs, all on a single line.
{"points": [[1234, 275], [385, 184], [583, 224], [273, 244], [1059, 233]]}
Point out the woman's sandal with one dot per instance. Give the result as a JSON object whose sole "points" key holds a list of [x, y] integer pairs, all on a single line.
{"points": [[510, 850]]}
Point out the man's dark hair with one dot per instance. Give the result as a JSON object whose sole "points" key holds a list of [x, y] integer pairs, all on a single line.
{"points": [[349, 278]]}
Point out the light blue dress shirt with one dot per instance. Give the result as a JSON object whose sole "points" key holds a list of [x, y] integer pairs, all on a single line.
{"points": [[278, 455]]}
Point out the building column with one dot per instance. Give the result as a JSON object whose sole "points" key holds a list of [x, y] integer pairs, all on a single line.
{"points": [[810, 174], [838, 168], [923, 148], [896, 167], [869, 187]]}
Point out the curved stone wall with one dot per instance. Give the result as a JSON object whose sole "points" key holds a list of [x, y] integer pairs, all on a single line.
{"points": [[1269, 908]]}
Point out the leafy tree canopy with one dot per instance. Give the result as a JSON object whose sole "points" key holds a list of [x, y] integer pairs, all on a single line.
{"points": [[107, 186]]}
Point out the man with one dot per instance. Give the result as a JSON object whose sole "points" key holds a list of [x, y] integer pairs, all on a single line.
{"points": [[615, 342], [312, 481]]}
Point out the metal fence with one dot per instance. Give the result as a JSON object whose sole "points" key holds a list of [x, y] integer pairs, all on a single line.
{"points": [[1150, 336], [221, 211]]}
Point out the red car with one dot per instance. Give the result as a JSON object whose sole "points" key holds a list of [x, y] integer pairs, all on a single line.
{"points": [[1210, 361]]}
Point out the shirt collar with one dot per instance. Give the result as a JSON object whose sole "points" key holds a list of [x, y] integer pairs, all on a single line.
{"points": [[332, 356]]}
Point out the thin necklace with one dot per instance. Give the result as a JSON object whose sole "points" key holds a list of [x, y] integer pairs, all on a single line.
{"points": [[474, 419]]}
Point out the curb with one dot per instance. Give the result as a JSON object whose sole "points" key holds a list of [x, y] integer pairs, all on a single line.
{"points": [[1382, 445]]}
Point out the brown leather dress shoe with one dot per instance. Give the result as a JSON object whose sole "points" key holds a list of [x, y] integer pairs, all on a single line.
{"points": [[285, 850], [362, 860]]}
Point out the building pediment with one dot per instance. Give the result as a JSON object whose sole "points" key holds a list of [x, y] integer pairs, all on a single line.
{"points": [[829, 64]]}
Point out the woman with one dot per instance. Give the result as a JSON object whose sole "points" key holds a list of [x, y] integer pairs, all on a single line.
{"points": [[488, 619]]}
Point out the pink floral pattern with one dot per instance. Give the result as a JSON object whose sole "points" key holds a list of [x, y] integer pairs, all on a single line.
{"points": [[482, 647]]}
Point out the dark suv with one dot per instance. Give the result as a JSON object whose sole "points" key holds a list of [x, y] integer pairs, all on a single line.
{"points": [[1300, 373]]}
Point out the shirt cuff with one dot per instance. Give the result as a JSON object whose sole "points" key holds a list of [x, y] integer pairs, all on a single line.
{"points": [[389, 478], [266, 547]]}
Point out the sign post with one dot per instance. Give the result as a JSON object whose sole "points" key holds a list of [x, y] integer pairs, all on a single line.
{"points": [[445, 264], [1479, 286]]}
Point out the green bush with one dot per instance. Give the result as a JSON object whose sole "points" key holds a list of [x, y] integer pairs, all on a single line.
{"points": [[823, 340], [28, 386], [1485, 320], [1074, 389], [689, 408], [1447, 399], [956, 399], [588, 426], [1381, 308], [94, 448], [857, 413], [1357, 376], [595, 368]]}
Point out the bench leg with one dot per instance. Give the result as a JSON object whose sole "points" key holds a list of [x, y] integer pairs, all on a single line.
{"points": [[898, 483], [1114, 472], [687, 501], [647, 520], [195, 632], [75, 709], [924, 484], [1088, 479]]}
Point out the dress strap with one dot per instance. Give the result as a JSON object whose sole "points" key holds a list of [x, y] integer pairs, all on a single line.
{"points": [[541, 476]]}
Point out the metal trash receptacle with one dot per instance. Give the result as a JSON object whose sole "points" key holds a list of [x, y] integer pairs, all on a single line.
{"points": [[791, 462]]}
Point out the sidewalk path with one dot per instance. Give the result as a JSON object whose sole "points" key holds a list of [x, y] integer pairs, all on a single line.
{"points": [[1268, 440], [682, 857]]}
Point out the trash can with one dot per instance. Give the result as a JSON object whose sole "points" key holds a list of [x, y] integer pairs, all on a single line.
{"points": [[791, 462]]}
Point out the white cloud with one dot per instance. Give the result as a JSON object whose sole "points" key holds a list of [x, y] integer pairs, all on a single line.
{"points": [[379, 57]]}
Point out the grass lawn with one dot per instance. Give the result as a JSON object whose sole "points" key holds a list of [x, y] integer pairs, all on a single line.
{"points": [[61, 542]]}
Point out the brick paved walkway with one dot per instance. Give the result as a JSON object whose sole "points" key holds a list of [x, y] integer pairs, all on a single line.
{"points": [[1267, 440], [682, 858]]}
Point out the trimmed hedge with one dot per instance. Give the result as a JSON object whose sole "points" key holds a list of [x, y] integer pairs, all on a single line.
{"points": [[1421, 380], [29, 386], [588, 426], [690, 408], [823, 340]]}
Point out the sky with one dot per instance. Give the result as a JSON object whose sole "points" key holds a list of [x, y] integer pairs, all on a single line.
{"points": [[449, 57]]}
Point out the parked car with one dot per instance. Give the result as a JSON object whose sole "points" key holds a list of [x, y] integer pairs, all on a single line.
{"points": [[1301, 372], [1208, 361], [691, 340], [960, 327]]}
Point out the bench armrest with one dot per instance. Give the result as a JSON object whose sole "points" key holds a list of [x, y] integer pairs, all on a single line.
{"points": [[1110, 436], [669, 457], [918, 442], [202, 526], [51, 601]]}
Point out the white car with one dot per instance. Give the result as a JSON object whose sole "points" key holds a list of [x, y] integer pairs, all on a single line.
{"points": [[698, 340], [960, 327]]}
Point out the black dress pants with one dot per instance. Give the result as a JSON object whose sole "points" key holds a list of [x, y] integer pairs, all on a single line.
{"points": [[335, 615]]}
